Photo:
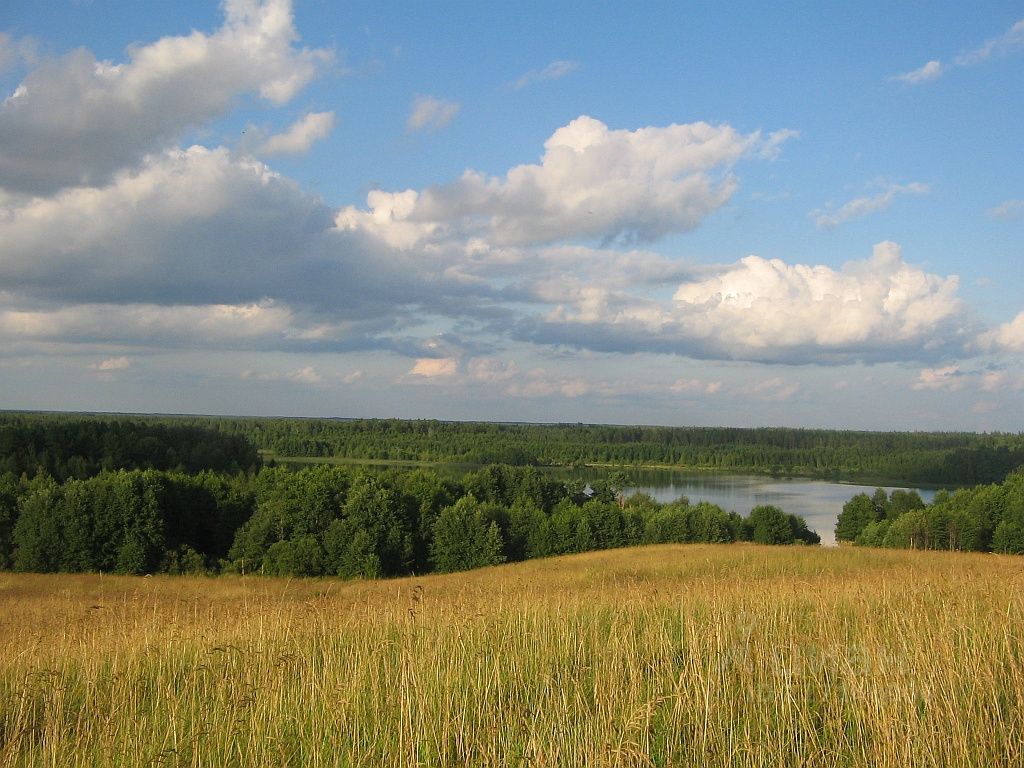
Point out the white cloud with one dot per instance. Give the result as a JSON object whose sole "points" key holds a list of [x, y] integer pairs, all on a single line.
{"points": [[76, 120], [202, 248], [1009, 210], [769, 311], [300, 136], [306, 375], [553, 71], [762, 304], [922, 74], [1006, 43], [191, 226], [428, 112], [592, 182], [863, 206], [433, 367], [1002, 45], [1008, 337]]}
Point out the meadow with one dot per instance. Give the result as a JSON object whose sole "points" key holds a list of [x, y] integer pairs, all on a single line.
{"points": [[739, 655]]}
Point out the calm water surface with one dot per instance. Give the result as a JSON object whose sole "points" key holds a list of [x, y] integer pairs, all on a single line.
{"points": [[819, 502]]}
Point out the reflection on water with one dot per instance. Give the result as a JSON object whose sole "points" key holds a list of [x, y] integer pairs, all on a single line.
{"points": [[819, 502]]}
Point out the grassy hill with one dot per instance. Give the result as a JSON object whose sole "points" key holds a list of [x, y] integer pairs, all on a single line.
{"points": [[669, 655]]}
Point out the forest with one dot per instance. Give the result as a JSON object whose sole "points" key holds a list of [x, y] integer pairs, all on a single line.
{"points": [[77, 446], [949, 459], [192, 494], [983, 518], [335, 521]]}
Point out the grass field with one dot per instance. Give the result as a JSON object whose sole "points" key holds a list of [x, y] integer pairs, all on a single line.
{"points": [[670, 655]]}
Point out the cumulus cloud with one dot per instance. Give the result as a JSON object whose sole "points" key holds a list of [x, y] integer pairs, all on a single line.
{"points": [[77, 121], [553, 71], [922, 74], [199, 226], [188, 226], [428, 112], [863, 206], [434, 367], [1009, 210], [203, 247], [769, 311], [1008, 337], [300, 136], [591, 182]]}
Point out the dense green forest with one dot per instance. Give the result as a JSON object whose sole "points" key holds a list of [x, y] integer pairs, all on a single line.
{"points": [[336, 521], [935, 458], [74, 446], [985, 518]]}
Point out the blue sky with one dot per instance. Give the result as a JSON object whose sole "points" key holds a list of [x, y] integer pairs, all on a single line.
{"points": [[798, 214]]}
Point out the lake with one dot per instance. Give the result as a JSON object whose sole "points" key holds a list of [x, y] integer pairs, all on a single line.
{"points": [[819, 502]]}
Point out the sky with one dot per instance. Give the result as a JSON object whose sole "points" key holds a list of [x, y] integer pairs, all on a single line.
{"points": [[786, 214]]}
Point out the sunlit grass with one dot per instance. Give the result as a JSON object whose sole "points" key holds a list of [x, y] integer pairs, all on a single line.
{"points": [[672, 655]]}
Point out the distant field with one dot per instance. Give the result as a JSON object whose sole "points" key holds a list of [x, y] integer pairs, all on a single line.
{"points": [[670, 655]]}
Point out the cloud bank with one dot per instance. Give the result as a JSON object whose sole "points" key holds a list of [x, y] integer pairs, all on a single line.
{"points": [[115, 237]]}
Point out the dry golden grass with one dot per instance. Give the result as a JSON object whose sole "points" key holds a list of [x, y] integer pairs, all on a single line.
{"points": [[671, 655]]}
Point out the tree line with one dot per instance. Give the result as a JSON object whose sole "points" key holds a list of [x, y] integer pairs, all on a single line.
{"points": [[984, 518], [333, 521], [77, 445], [905, 457], [67, 446]]}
